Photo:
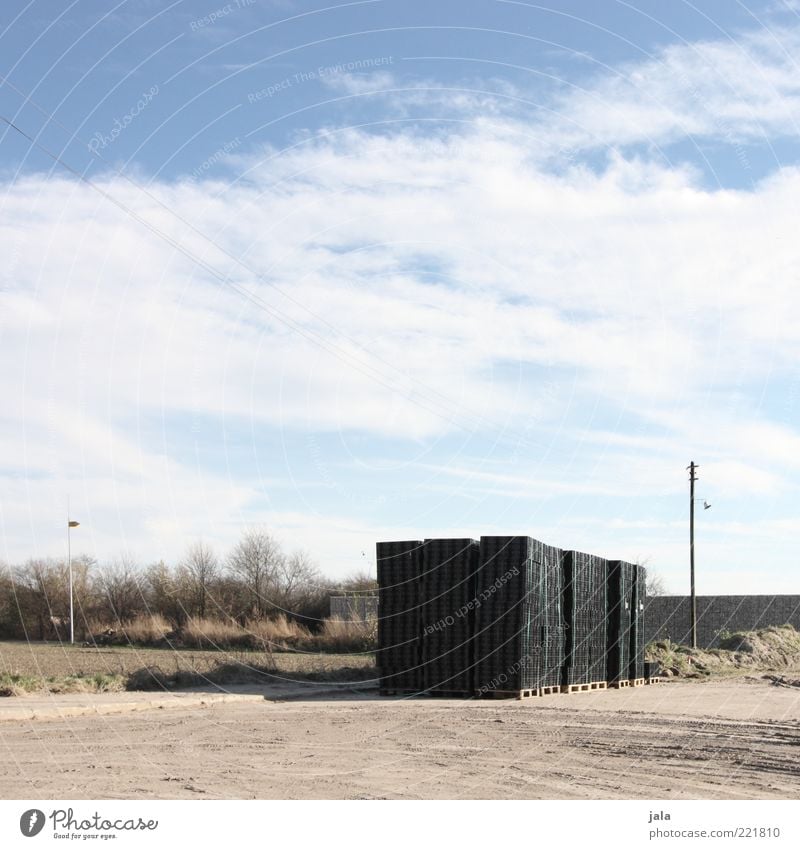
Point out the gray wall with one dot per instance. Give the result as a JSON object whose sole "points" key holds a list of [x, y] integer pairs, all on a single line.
{"points": [[354, 607], [669, 616], [666, 616]]}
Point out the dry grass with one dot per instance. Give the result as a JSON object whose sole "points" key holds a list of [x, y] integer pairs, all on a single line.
{"points": [[153, 628], [353, 635], [211, 633], [16, 684], [276, 633], [278, 629], [774, 648], [199, 632]]}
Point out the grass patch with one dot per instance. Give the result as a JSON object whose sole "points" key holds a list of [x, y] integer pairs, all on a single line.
{"points": [[15, 684]]}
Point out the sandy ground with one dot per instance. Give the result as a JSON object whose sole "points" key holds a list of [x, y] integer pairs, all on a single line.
{"points": [[683, 740]]}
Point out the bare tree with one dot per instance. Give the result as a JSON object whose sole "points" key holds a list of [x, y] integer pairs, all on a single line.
{"points": [[83, 569], [297, 576], [256, 561], [121, 586], [8, 616], [202, 568], [231, 598], [359, 582], [655, 584], [42, 594], [166, 592]]}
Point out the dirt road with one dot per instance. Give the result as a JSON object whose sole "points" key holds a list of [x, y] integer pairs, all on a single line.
{"points": [[724, 739]]}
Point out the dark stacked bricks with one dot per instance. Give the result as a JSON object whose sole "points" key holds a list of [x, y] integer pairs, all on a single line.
{"points": [[550, 602], [447, 614], [637, 625], [621, 577], [585, 604], [398, 657], [506, 615], [509, 617]]}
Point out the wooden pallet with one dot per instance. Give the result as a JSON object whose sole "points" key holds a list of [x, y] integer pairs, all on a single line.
{"points": [[618, 685], [548, 691], [584, 688], [654, 680], [638, 682], [508, 694], [448, 694]]}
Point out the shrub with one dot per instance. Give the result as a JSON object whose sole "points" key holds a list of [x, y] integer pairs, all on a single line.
{"points": [[147, 629], [206, 633], [277, 632], [12, 684], [346, 635]]}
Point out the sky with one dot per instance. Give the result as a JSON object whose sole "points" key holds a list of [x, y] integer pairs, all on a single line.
{"points": [[392, 269]]}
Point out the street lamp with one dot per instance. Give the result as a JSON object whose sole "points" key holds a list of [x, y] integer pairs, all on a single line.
{"points": [[70, 525]]}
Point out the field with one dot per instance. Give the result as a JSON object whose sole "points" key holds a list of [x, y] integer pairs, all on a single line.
{"points": [[35, 661]]}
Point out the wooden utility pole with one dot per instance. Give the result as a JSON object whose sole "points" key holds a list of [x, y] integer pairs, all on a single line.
{"points": [[692, 478]]}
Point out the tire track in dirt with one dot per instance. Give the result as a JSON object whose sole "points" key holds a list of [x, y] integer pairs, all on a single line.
{"points": [[374, 748]]}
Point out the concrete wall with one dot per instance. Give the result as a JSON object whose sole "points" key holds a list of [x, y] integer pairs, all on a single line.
{"points": [[666, 617], [354, 607], [669, 616]]}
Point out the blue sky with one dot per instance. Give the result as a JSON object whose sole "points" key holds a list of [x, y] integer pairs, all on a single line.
{"points": [[400, 269]]}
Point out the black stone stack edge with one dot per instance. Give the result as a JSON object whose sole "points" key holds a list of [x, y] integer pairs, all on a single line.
{"points": [[505, 616]]}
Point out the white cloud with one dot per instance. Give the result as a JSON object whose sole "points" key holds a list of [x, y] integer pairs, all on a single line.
{"points": [[738, 90], [428, 285], [359, 83], [440, 263]]}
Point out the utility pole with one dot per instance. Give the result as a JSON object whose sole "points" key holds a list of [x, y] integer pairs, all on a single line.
{"points": [[692, 478]]}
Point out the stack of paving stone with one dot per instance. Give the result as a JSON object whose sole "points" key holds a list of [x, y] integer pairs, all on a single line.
{"points": [[585, 578], [447, 590], [637, 625], [510, 592], [621, 580], [398, 656], [553, 621], [507, 615]]}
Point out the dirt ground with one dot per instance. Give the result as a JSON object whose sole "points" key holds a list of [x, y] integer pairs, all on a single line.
{"points": [[730, 739]]}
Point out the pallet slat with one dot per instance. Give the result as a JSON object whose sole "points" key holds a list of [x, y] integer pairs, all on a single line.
{"points": [[509, 694], [584, 688]]}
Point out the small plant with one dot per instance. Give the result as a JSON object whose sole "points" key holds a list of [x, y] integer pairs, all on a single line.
{"points": [[21, 685]]}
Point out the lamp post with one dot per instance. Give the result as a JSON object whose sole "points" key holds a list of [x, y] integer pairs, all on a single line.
{"points": [[70, 525]]}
